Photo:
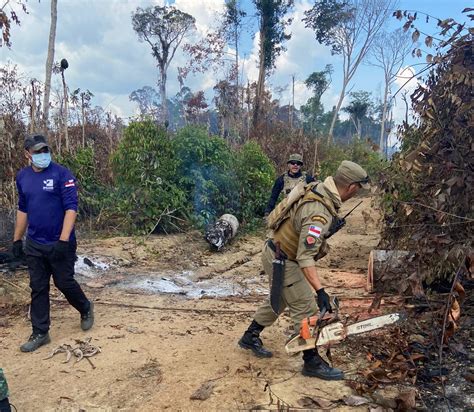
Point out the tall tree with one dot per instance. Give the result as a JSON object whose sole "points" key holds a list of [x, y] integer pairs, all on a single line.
{"points": [[82, 99], [359, 23], [148, 100], [63, 65], [232, 29], [358, 109], [163, 28], [272, 31], [49, 62], [388, 52], [318, 83]]}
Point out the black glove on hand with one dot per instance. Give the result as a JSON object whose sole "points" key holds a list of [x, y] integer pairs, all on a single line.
{"points": [[323, 300], [17, 249], [60, 250]]}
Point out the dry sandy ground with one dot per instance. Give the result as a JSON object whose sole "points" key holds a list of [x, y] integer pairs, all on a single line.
{"points": [[156, 359]]}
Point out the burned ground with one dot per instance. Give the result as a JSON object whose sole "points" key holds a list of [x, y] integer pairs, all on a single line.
{"points": [[169, 313]]}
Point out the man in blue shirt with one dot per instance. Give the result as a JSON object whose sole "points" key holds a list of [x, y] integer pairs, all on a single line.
{"points": [[47, 207]]}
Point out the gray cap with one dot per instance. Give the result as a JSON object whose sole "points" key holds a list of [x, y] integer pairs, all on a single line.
{"points": [[35, 142], [353, 173], [295, 157]]}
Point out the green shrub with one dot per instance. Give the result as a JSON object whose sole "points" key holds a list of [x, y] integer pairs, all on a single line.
{"points": [[91, 191], [357, 151], [206, 174], [146, 189], [255, 174]]}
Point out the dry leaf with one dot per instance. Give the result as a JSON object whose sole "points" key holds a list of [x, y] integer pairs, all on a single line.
{"points": [[407, 400], [461, 292], [354, 400], [312, 402], [204, 391]]}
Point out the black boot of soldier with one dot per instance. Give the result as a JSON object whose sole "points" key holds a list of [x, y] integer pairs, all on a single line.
{"points": [[317, 367], [251, 340]]}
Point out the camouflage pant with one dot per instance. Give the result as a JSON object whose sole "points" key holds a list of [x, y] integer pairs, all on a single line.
{"points": [[3, 386], [297, 294]]}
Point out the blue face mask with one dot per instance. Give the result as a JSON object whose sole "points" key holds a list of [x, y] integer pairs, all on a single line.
{"points": [[41, 160]]}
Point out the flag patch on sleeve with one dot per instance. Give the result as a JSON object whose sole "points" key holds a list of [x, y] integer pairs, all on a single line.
{"points": [[314, 231], [69, 183]]}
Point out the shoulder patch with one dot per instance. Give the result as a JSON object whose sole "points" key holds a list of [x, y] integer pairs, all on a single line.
{"points": [[320, 219], [310, 242]]}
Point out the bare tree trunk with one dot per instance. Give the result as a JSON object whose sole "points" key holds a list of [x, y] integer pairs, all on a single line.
{"points": [[248, 110], [384, 117], [164, 102], [336, 111], [33, 108], [49, 62], [292, 101], [260, 84], [404, 98], [83, 122], [65, 113], [236, 44]]}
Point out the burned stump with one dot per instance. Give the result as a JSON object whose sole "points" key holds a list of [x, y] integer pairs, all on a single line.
{"points": [[388, 271], [222, 231]]}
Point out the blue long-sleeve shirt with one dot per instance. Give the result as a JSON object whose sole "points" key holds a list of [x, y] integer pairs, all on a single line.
{"points": [[45, 197]]}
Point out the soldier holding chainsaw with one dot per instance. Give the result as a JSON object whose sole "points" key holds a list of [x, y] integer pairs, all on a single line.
{"points": [[301, 224]]}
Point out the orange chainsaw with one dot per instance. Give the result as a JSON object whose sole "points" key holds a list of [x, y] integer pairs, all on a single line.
{"points": [[326, 329]]}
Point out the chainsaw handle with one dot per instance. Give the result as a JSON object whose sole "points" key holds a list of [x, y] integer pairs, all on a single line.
{"points": [[321, 316]]}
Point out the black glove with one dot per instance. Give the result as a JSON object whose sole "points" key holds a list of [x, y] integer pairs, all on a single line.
{"points": [[60, 250], [323, 300], [17, 249]]}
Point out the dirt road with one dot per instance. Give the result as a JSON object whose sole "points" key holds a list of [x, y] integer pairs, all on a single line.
{"points": [[158, 358]]}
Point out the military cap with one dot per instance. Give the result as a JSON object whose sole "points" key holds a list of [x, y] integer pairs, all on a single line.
{"points": [[35, 142], [353, 173], [296, 157]]}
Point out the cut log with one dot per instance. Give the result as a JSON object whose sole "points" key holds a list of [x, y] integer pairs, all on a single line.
{"points": [[388, 271]]}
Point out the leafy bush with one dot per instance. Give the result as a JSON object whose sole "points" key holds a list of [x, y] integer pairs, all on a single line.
{"points": [[147, 196], [255, 174], [358, 151], [91, 191], [206, 174]]}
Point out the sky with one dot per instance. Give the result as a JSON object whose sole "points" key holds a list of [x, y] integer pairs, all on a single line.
{"points": [[106, 57]]}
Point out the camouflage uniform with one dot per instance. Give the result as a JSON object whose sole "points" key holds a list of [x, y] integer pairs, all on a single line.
{"points": [[299, 225], [301, 238], [290, 182]]}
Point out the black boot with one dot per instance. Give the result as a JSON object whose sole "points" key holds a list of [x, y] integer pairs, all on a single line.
{"points": [[316, 366], [251, 340]]}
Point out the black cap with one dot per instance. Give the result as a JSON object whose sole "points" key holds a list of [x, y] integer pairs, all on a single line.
{"points": [[35, 142]]}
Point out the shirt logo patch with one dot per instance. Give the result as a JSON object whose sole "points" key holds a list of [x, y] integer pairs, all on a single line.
{"points": [[48, 184], [314, 231], [69, 183]]}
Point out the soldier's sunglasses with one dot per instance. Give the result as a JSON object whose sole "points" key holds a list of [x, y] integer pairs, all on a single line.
{"points": [[363, 181], [294, 163]]}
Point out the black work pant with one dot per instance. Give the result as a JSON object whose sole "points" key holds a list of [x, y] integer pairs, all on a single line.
{"points": [[5, 405], [41, 266]]}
